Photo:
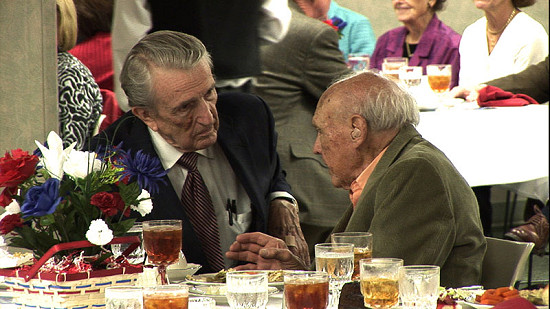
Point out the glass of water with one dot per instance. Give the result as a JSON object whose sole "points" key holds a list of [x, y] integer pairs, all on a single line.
{"points": [[411, 76], [123, 297], [138, 255], [336, 259], [247, 289], [419, 286]]}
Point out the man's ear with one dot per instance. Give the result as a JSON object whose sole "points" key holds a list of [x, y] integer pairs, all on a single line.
{"points": [[358, 128], [144, 114]]}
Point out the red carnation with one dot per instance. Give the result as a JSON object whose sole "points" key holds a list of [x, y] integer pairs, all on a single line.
{"points": [[6, 196], [109, 203], [10, 222], [16, 167]]}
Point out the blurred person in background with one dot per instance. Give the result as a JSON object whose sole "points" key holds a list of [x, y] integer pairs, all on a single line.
{"points": [[80, 101], [93, 45], [295, 73], [505, 41], [93, 48], [423, 38], [357, 36], [231, 31]]}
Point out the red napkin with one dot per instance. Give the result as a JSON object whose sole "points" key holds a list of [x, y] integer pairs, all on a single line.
{"points": [[515, 303], [494, 96]]}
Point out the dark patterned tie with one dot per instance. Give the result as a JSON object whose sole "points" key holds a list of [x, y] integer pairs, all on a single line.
{"points": [[198, 206]]}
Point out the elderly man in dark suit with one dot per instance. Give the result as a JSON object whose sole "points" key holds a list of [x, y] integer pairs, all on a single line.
{"points": [[403, 189], [175, 115]]}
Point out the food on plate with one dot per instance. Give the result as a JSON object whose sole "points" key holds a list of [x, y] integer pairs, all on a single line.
{"points": [[219, 277], [496, 296], [536, 296]]}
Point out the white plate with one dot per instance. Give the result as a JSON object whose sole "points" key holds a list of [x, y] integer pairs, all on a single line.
{"points": [[480, 306], [207, 290], [202, 279]]}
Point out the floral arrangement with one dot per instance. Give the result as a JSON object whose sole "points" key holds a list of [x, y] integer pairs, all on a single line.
{"points": [[337, 24], [61, 195]]}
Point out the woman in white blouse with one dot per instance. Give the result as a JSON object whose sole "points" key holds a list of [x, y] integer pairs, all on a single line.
{"points": [[504, 41]]}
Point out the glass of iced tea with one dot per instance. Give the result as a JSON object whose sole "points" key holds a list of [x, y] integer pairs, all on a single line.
{"points": [[306, 289], [170, 296], [379, 282], [162, 242], [391, 65], [439, 77], [362, 247]]}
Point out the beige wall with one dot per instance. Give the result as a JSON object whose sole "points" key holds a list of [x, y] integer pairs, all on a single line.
{"points": [[28, 78], [457, 13]]}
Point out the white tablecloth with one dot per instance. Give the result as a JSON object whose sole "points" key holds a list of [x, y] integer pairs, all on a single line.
{"points": [[504, 145]]}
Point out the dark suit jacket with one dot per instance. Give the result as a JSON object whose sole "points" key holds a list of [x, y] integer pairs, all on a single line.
{"points": [[419, 208], [533, 81], [249, 141]]}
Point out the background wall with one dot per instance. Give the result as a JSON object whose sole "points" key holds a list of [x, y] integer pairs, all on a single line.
{"points": [[457, 14], [28, 73]]}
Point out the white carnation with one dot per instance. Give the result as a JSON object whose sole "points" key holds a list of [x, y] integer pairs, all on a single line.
{"points": [[145, 204], [99, 233]]}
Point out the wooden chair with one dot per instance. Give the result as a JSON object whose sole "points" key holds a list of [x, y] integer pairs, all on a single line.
{"points": [[504, 262]]}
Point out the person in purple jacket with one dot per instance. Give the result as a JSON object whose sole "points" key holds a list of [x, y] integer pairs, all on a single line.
{"points": [[424, 39]]}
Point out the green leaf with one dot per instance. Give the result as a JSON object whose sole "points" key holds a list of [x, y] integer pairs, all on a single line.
{"points": [[120, 228], [130, 192], [47, 220]]}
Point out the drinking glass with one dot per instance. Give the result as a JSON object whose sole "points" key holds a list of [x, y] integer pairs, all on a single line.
{"points": [[337, 261], [201, 303], [439, 77], [362, 247], [379, 282], [306, 289], [162, 241], [170, 296], [419, 286], [358, 62], [411, 76], [123, 297], [138, 255], [247, 289], [391, 65]]}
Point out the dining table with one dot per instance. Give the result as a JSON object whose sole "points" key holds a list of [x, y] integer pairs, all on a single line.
{"points": [[502, 146]]}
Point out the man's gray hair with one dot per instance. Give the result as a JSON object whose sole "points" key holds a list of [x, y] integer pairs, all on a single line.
{"points": [[161, 49], [382, 102]]}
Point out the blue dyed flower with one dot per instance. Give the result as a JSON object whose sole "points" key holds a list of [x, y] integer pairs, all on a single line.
{"points": [[42, 200], [146, 169]]}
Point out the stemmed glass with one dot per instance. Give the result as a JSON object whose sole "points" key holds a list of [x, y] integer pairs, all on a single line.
{"points": [[439, 78], [162, 242], [391, 65], [362, 247], [336, 260]]}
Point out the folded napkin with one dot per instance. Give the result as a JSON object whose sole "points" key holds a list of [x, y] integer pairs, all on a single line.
{"points": [[494, 96], [515, 303]]}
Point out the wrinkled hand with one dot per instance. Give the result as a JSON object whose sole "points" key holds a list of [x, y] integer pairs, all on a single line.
{"points": [[284, 223], [263, 252]]}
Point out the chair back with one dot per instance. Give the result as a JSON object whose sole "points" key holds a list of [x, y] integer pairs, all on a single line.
{"points": [[504, 262]]}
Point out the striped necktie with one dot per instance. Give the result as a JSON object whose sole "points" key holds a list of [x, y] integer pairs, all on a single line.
{"points": [[198, 206]]}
